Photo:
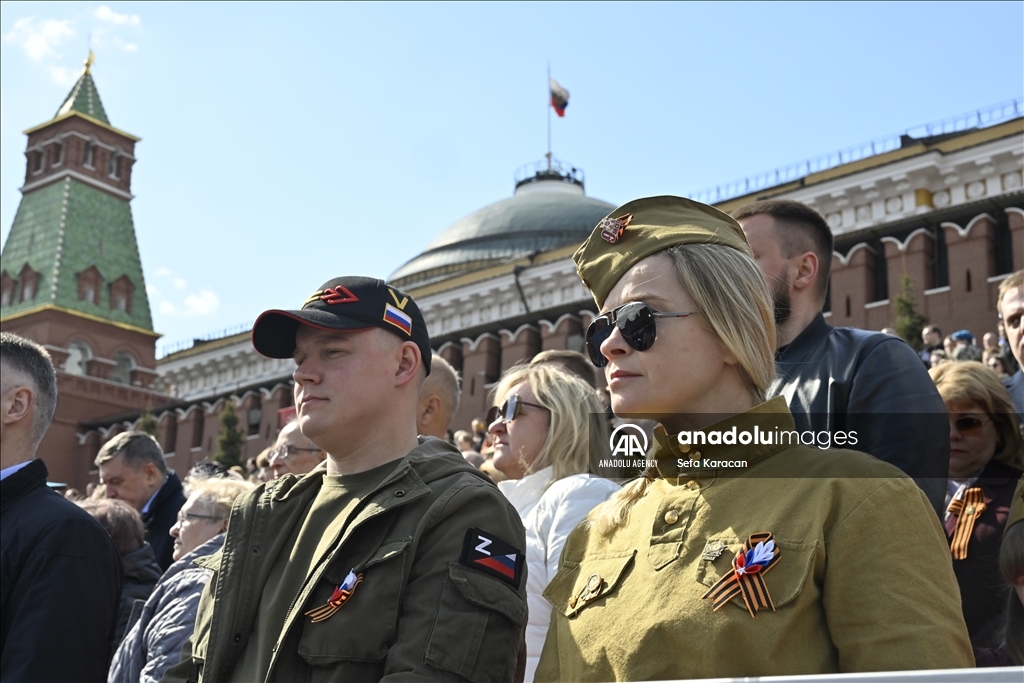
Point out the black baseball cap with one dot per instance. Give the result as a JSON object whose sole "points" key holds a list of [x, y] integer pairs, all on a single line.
{"points": [[345, 303]]}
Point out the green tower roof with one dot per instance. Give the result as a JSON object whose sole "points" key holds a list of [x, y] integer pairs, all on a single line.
{"points": [[84, 97], [62, 230]]}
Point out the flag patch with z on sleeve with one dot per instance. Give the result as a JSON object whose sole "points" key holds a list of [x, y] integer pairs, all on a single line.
{"points": [[488, 553]]}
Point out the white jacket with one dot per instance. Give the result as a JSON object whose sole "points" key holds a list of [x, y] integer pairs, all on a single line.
{"points": [[549, 516]]}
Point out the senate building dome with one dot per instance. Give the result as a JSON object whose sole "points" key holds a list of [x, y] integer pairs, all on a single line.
{"points": [[548, 209]]}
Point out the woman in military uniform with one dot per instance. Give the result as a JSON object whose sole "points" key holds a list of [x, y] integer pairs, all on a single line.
{"points": [[737, 555]]}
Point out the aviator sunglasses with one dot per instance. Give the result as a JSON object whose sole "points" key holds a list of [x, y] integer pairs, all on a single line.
{"points": [[510, 409], [635, 321], [968, 424]]}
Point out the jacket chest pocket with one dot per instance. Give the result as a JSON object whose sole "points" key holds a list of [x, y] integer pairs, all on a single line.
{"points": [[363, 627], [790, 576], [581, 584]]}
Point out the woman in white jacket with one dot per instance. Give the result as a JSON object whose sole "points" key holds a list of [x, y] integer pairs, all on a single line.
{"points": [[541, 430]]}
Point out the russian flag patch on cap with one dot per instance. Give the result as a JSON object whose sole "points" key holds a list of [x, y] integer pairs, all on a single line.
{"points": [[488, 553], [398, 318]]}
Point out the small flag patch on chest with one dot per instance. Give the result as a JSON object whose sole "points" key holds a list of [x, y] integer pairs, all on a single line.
{"points": [[398, 318], [488, 553]]}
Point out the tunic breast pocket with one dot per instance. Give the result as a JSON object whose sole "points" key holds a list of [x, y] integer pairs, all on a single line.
{"points": [[788, 578], [581, 584], [364, 626]]}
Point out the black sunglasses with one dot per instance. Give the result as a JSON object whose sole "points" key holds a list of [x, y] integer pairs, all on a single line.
{"points": [[635, 321], [510, 409], [966, 424]]}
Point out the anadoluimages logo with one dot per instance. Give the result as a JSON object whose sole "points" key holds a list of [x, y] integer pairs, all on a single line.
{"points": [[628, 441]]}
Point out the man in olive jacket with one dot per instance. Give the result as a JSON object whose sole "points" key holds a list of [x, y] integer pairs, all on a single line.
{"points": [[393, 560]]}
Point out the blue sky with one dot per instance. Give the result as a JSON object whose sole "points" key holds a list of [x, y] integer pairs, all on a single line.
{"points": [[285, 144]]}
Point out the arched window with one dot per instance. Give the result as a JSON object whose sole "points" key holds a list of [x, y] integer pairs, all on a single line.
{"points": [[113, 163], [78, 356], [89, 281], [29, 282], [7, 286], [122, 370], [58, 153], [89, 156], [121, 291]]}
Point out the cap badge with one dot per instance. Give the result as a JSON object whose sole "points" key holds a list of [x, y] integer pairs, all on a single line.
{"points": [[612, 228], [757, 556], [337, 295], [340, 596], [401, 304]]}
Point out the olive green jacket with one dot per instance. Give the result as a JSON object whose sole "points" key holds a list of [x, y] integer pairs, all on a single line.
{"points": [[863, 582], [418, 615]]}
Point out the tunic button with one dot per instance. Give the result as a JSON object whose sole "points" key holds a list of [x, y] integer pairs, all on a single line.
{"points": [[671, 517], [693, 485], [696, 454], [684, 448]]}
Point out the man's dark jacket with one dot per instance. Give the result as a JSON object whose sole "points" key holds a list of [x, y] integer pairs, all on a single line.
{"points": [[162, 515], [61, 582], [1015, 385], [844, 379]]}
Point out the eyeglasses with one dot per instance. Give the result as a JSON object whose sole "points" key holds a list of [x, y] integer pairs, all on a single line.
{"points": [[188, 517], [969, 425], [510, 409], [286, 452], [635, 321]]}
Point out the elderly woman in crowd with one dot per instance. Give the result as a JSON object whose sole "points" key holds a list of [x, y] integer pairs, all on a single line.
{"points": [[741, 556], [985, 462], [154, 642], [542, 445], [139, 568]]}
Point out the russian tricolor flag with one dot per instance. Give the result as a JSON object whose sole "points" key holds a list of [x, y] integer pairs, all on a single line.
{"points": [[559, 98], [504, 564], [398, 318]]}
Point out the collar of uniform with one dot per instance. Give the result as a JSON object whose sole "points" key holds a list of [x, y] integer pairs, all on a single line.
{"points": [[769, 416]]}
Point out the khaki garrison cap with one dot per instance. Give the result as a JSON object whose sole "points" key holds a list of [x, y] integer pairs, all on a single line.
{"points": [[642, 228]]}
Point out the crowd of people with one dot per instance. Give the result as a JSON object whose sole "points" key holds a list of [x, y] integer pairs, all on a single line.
{"points": [[370, 542]]}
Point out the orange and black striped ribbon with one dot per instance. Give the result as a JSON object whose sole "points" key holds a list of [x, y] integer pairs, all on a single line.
{"points": [[750, 587], [967, 509]]}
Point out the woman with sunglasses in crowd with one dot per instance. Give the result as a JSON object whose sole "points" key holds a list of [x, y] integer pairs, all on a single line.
{"points": [[541, 429], [985, 464], [735, 555]]}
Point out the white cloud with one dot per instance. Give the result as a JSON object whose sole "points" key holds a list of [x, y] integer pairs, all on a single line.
{"points": [[39, 39], [131, 47], [163, 271], [62, 75], [205, 303], [167, 308], [180, 283], [152, 291], [104, 13]]}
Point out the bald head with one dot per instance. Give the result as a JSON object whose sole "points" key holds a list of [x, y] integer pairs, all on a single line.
{"points": [[439, 399]]}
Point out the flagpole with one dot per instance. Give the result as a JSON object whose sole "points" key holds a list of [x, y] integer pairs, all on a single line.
{"points": [[547, 106]]}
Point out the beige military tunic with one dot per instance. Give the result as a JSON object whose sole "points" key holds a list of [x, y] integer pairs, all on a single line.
{"points": [[863, 581]]}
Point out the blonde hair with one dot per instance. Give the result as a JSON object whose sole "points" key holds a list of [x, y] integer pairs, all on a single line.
{"points": [[730, 291], [571, 428], [218, 494], [973, 382]]}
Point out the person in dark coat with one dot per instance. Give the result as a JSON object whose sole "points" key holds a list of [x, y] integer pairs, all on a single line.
{"points": [[60, 576], [132, 469], [985, 464], [841, 379], [138, 563]]}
